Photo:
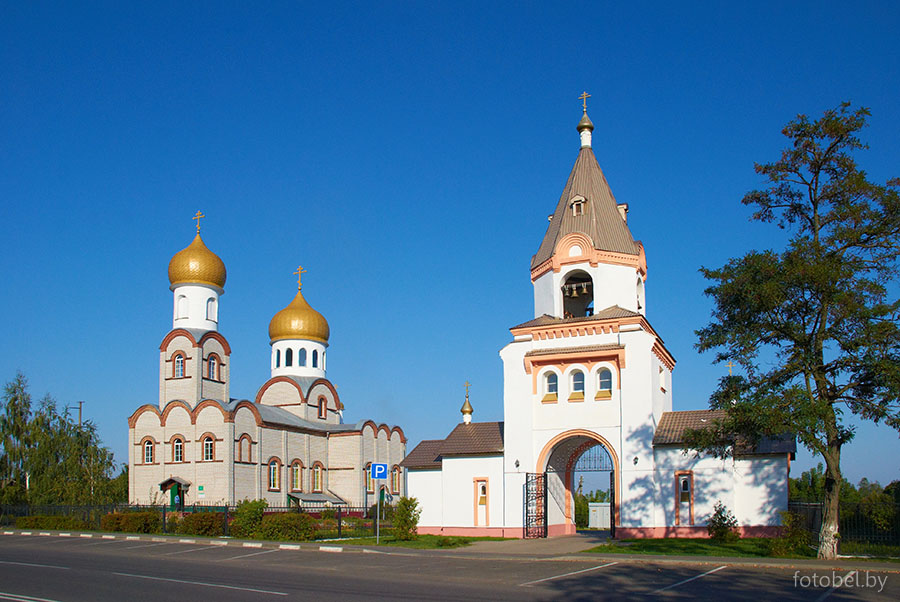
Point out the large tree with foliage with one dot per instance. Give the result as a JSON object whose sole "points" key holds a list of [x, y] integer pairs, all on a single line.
{"points": [[48, 458], [813, 326]]}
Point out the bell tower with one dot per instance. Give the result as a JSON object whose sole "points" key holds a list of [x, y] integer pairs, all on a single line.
{"points": [[588, 260]]}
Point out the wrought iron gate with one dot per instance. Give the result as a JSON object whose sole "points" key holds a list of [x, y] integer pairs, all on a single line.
{"points": [[535, 505]]}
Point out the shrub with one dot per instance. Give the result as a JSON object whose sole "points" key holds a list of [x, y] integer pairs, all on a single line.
{"points": [[406, 518], [209, 524], [449, 542], [387, 511], [327, 513], [145, 521], [247, 518], [287, 526], [55, 522], [111, 522], [794, 538], [722, 525]]}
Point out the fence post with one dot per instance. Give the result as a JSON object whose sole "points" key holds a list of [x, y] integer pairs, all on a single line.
{"points": [[164, 519], [339, 521], [225, 526]]}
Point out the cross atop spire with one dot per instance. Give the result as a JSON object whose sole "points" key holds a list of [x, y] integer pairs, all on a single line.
{"points": [[197, 217], [300, 271], [584, 96]]}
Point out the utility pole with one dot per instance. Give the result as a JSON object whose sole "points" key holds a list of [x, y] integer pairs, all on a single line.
{"points": [[80, 404]]}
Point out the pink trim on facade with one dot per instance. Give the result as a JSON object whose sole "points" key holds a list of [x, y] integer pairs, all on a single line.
{"points": [[695, 532], [513, 532]]}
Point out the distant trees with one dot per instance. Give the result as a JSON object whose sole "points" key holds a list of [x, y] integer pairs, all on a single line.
{"points": [[47, 458], [582, 510], [878, 504]]}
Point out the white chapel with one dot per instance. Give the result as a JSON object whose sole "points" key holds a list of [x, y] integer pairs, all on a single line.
{"points": [[588, 386], [289, 444]]}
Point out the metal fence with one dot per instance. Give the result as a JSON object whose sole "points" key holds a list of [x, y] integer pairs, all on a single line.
{"points": [[332, 522], [857, 523]]}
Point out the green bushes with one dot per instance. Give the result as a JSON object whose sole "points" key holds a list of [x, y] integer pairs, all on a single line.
{"points": [[248, 517], [51, 522], [145, 521], [287, 526], [793, 540], [722, 525], [406, 518], [207, 524]]}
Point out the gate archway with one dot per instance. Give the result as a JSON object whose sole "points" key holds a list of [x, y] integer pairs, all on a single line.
{"points": [[550, 489]]}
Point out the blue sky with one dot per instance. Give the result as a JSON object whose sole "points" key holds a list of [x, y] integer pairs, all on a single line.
{"points": [[407, 154]]}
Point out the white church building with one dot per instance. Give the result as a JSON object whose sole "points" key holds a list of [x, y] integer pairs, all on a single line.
{"points": [[588, 386], [289, 444]]}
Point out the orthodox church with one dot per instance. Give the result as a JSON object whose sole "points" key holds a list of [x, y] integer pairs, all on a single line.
{"points": [[588, 386], [288, 445]]}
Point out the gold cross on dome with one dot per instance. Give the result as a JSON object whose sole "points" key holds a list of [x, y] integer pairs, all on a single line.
{"points": [[584, 96], [730, 365], [300, 271], [197, 217], [467, 385]]}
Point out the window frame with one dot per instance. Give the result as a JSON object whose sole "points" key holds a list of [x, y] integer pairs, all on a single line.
{"points": [[551, 387], [604, 393], [208, 444], [296, 476], [370, 482], [179, 363], [323, 408], [212, 367], [148, 449], [274, 476], [318, 481], [178, 450], [395, 480], [577, 385]]}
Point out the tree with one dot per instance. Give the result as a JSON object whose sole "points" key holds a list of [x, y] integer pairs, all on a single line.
{"points": [[48, 458], [406, 519], [14, 438], [812, 326]]}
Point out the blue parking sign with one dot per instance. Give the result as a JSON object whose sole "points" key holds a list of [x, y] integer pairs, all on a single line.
{"points": [[379, 471]]}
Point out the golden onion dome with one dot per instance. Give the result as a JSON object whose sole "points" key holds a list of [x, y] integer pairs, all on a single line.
{"points": [[196, 264], [585, 123], [299, 321]]}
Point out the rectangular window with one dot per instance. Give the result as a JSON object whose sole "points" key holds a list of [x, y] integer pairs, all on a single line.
{"points": [[178, 451], [684, 497], [209, 449], [317, 479], [296, 478], [148, 452]]}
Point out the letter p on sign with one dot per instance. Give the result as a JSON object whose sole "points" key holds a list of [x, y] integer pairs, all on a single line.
{"points": [[379, 471]]}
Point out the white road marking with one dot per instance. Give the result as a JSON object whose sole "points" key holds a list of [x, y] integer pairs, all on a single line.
{"points": [[289, 546], [831, 591], [9, 532], [331, 549], [593, 568], [108, 536], [23, 598], [185, 551], [44, 533], [98, 543], [201, 583], [662, 589], [61, 534], [25, 533], [144, 545], [43, 566], [251, 554], [252, 545], [86, 535]]}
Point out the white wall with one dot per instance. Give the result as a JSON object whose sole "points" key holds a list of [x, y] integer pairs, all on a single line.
{"points": [[196, 296], [427, 487], [458, 488]]}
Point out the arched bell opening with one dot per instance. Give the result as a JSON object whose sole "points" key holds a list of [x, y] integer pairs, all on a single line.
{"points": [[578, 295]]}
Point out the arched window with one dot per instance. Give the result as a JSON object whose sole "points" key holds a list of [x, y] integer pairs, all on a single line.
{"points": [[551, 387], [177, 450], [301, 357], [370, 483], [278, 358], [212, 366], [181, 307], [317, 478], [323, 360], [178, 368], [323, 408], [640, 294], [288, 357], [395, 480], [274, 475], [148, 452], [577, 385], [297, 476], [212, 311], [209, 449], [604, 383], [315, 359]]}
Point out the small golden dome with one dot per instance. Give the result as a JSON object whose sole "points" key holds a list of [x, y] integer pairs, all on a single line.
{"points": [[585, 123], [196, 264], [298, 321], [467, 407]]}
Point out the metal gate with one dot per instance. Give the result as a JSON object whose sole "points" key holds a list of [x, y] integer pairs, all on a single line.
{"points": [[535, 505]]}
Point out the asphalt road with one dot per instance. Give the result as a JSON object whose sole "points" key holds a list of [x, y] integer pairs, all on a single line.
{"points": [[40, 568]]}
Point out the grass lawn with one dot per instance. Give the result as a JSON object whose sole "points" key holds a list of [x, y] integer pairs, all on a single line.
{"points": [[747, 547], [422, 542]]}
